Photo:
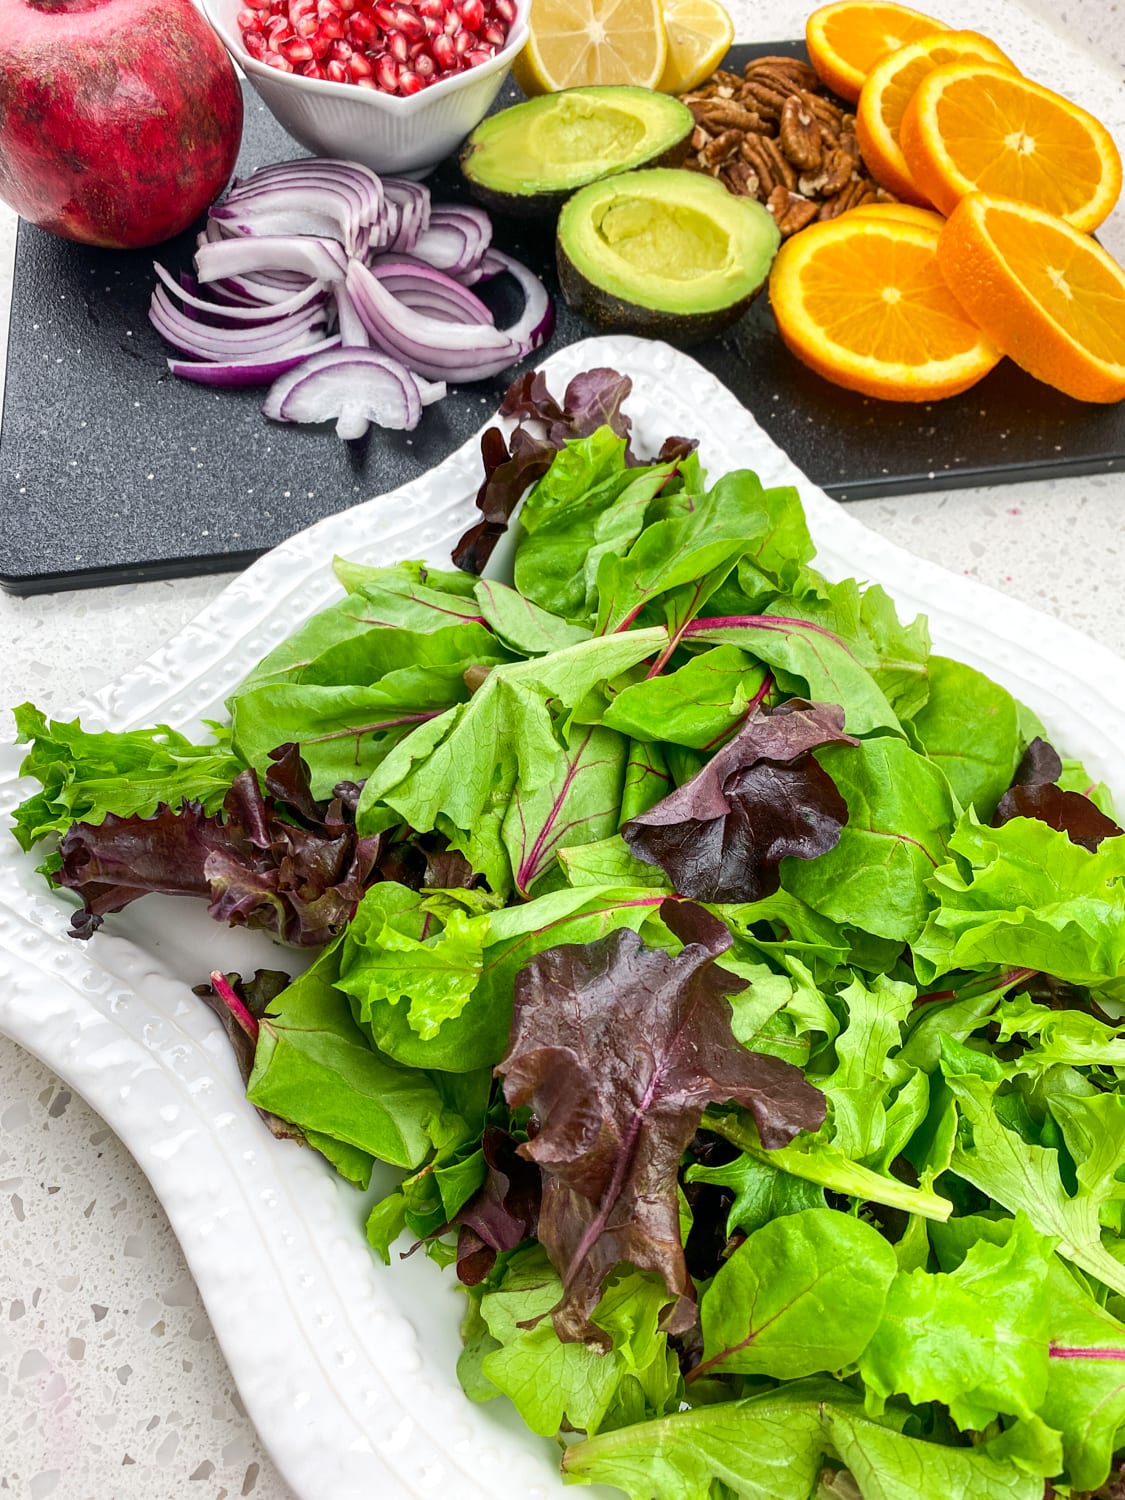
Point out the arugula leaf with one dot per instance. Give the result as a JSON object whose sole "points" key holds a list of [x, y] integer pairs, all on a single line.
{"points": [[614, 1121], [900, 814], [86, 775], [762, 798], [970, 727], [801, 1295], [974, 1338]]}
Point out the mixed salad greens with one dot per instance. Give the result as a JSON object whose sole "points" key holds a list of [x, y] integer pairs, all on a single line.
{"points": [[737, 984]]}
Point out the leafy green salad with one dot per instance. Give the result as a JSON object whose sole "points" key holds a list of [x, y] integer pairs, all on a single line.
{"points": [[736, 985]]}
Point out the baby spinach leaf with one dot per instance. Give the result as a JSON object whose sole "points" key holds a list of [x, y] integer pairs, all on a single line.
{"points": [[888, 1465], [722, 836], [970, 727], [313, 1066], [766, 1447], [974, 1338], [762, 1192], [900, 814], [802, 1294], [697, 705], [614, 1120]]}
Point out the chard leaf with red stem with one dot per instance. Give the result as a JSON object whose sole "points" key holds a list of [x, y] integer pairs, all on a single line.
{"points": [[617, 1048], [762, 797]]}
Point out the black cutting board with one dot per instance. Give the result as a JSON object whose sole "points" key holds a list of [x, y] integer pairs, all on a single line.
{"points": [[112, 470]]}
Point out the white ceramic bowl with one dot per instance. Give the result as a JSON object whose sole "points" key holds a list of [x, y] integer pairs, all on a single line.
{"points": [[393, 136]]}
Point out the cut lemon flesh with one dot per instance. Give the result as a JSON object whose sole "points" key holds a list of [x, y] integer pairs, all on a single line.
{"points": [[576, 42], [699, 34], [864, 303], [846, 38], [890, 86], [973, 126], [1050, 296]]}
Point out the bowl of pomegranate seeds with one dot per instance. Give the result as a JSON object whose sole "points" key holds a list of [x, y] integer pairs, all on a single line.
{"points": [[394, 84]]}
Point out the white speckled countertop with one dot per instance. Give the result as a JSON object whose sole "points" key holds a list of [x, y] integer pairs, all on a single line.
{"points": [[112, 1385]]}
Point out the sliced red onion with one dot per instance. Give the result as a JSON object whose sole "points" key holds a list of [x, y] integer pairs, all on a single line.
{"points": [[437, 350], [354, 386], [276, 199], [411, 202], [314, 292], [423, 287], [321, 259], [353, 334], [234, 373], [537, 321], [201, 341], [455, 240]]}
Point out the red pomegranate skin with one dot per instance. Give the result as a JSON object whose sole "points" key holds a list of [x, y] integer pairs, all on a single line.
{"points": [[120, 120]]}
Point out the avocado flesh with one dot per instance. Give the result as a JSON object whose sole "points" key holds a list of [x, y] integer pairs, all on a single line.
{"points": [[537, 152], [665, 253]]}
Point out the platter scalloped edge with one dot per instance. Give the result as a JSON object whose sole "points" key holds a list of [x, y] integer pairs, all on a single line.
{"points": [[347, 1367]]}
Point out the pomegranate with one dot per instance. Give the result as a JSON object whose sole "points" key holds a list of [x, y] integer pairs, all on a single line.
{"points": [[394, 46], [120, 120]]}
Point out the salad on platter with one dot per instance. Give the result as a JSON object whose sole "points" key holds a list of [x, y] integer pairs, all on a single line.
{"points": [[735, 983]]}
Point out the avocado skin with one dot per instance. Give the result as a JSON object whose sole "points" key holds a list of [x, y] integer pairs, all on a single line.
{"points": [[543, 205], [616, 315]]}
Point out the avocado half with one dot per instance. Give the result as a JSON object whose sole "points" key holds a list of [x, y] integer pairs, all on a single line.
{"points": [[666, 254], [526, 160]]}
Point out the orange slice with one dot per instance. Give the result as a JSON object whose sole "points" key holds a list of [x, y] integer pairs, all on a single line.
{"points": [[1048, 295], [900, 213], [887, 91], [863, 303], [973, 126], [846, 39], [574, 42]]}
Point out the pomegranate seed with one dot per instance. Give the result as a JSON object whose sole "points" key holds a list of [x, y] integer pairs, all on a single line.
{"points": [[275, 60], [452, 23], [504, 11], [385, 15], [359, 67], [313, 70], [424, 66], [335, 72], [462, 42], [431, 10], [362, 30], [247, 20], [409, 83], [398, 46], [258, 4], [477, 56], [386, 73], [331, 28], [444, 52], [494, 34], [254, 44], [341, 51], [412, 27], [345, 7], [472, 14]]}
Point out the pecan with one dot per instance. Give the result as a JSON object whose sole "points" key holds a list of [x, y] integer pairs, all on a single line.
{"points": [[726, 113], [801, 74], [768, 100], [799, 135], [848, 197], [800, 213], [783, 170], [755, 156], [839, 166], [721, 147], [740, 178]]}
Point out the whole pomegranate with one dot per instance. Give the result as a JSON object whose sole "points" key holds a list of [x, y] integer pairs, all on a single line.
{"points": [[120, 120]]}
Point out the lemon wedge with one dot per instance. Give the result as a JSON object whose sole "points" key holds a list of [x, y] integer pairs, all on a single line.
{"points": [[699, 34], [578, 42]]}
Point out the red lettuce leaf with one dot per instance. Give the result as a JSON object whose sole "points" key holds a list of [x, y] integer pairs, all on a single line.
{"points": [[291, 865], [618, 1048], [503, 1213], [1033, 794], [762, 797]]}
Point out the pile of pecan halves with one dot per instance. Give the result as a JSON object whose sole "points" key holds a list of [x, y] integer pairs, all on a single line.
{"points": [[773, 134]]}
